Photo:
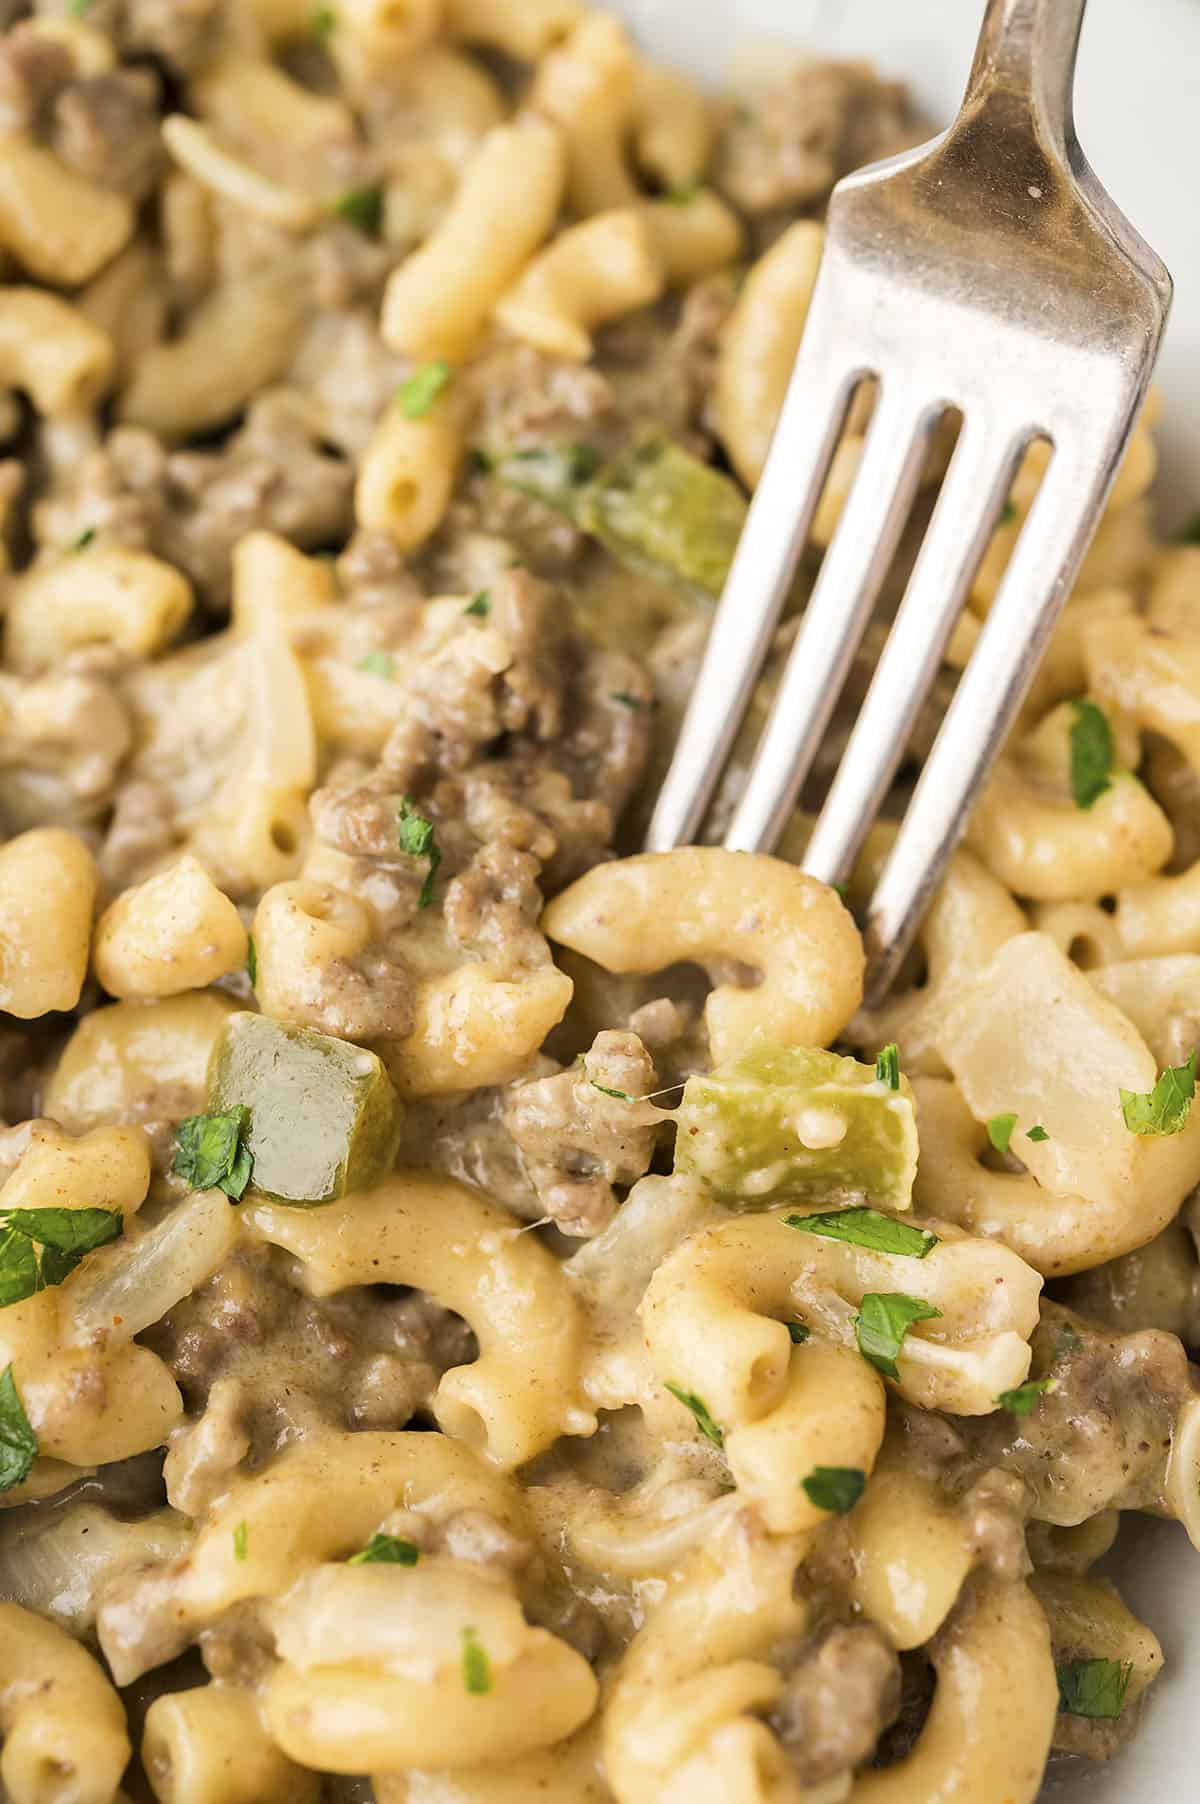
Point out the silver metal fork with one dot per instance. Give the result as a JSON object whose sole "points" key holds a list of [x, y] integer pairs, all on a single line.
{"points": [[988, 272]]}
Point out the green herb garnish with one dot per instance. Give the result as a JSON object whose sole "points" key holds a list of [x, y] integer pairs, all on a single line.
{"points": [[683, 196], [417, 836], [1000, 1131], [1091, 754], [1094, 1688], [361, 208], [1008, 513], [1023, 1400], [621, 1095], [85, 538], [379, 663], [480, 605], [211, 1153], [864, 1227], [887, 1066], [799, 1332], [418, 394], [18, 1443], [41, 1247], [251, 960], [476, 1667], [1165, 1109], [884, 1319], [704, 1422], [386, 1550], [240, 1537], [323, 23], [1189, 532], [629, 701], [835, 1488], [1037, 1133]]}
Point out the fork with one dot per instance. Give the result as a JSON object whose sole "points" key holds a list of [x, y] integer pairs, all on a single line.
{"points": [[987, 272]]}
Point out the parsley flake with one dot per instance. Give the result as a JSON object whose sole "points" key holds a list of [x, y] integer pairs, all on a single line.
{"points": [[476, 1667], [799, 1332], [1165, 1108], [1000, 1131], [361, 208], [480, 605], [887, 1066], [323, 23], [379, 663], [1008, 513], [86, 537], [417, 836], [211, 1153], [241, 1535], [884, 1319], [18, 1443], [683, 196], [626, 700], [418, 394], [386, 1550], [1091, 754], [1094, 1688], [251, 960], [41, 1247], [1024, 1399], [704, 1422], [621, 1095], [78, 9], [835, 1488], [1037, 1133], [864, 1227]]}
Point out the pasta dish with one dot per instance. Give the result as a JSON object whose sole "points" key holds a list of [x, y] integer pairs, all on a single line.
{"points": [[486, 1315]]}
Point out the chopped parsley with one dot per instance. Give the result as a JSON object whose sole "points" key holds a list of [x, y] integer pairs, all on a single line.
{"points": [[683, 196], [78, 9], [251, 960], [417, 836], [480, 605], [18, 1443], [1091, 753], [1094, 1688], [418, 394], [41, 1247], [386, 1550], [621, 1095], [834, 1488], [379, 663], [240, 1538], [86, 537], [887, 1066], [884, 1319], [1024, 1399], [704, 1422], [629, 701], [323, 23], [799, 1333], [361, 208], [210, 1152], [1165, 1108], [1000, 1131], [864, 1227], [476, 1667], [1008, 513], [1037, 1133], [1189, 532]]}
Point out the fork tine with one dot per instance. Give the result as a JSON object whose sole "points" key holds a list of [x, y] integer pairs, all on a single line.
{"points": [[980, 474], [1043, 566], [785, 500], [852, 571]]}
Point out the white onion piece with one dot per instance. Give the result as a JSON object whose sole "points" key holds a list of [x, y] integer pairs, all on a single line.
{"points": [[57, 1562], [125, 1287]]}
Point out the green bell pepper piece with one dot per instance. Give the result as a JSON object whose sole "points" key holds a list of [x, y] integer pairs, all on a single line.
{"points": [[794, 1123], [324, 1118]]}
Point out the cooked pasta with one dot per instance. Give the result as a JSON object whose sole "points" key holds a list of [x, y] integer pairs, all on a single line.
{"points": [[485, 1313]]}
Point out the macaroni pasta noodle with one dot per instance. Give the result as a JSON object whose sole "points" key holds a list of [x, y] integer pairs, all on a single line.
{"points": [[487, 1314]]}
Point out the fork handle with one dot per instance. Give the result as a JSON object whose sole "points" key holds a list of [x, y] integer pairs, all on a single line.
{"points": [[1026, 52]]}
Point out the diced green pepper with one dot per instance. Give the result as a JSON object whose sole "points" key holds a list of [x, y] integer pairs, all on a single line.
{"points": [[793, 1123], [323, 1118], [655, 507]]}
